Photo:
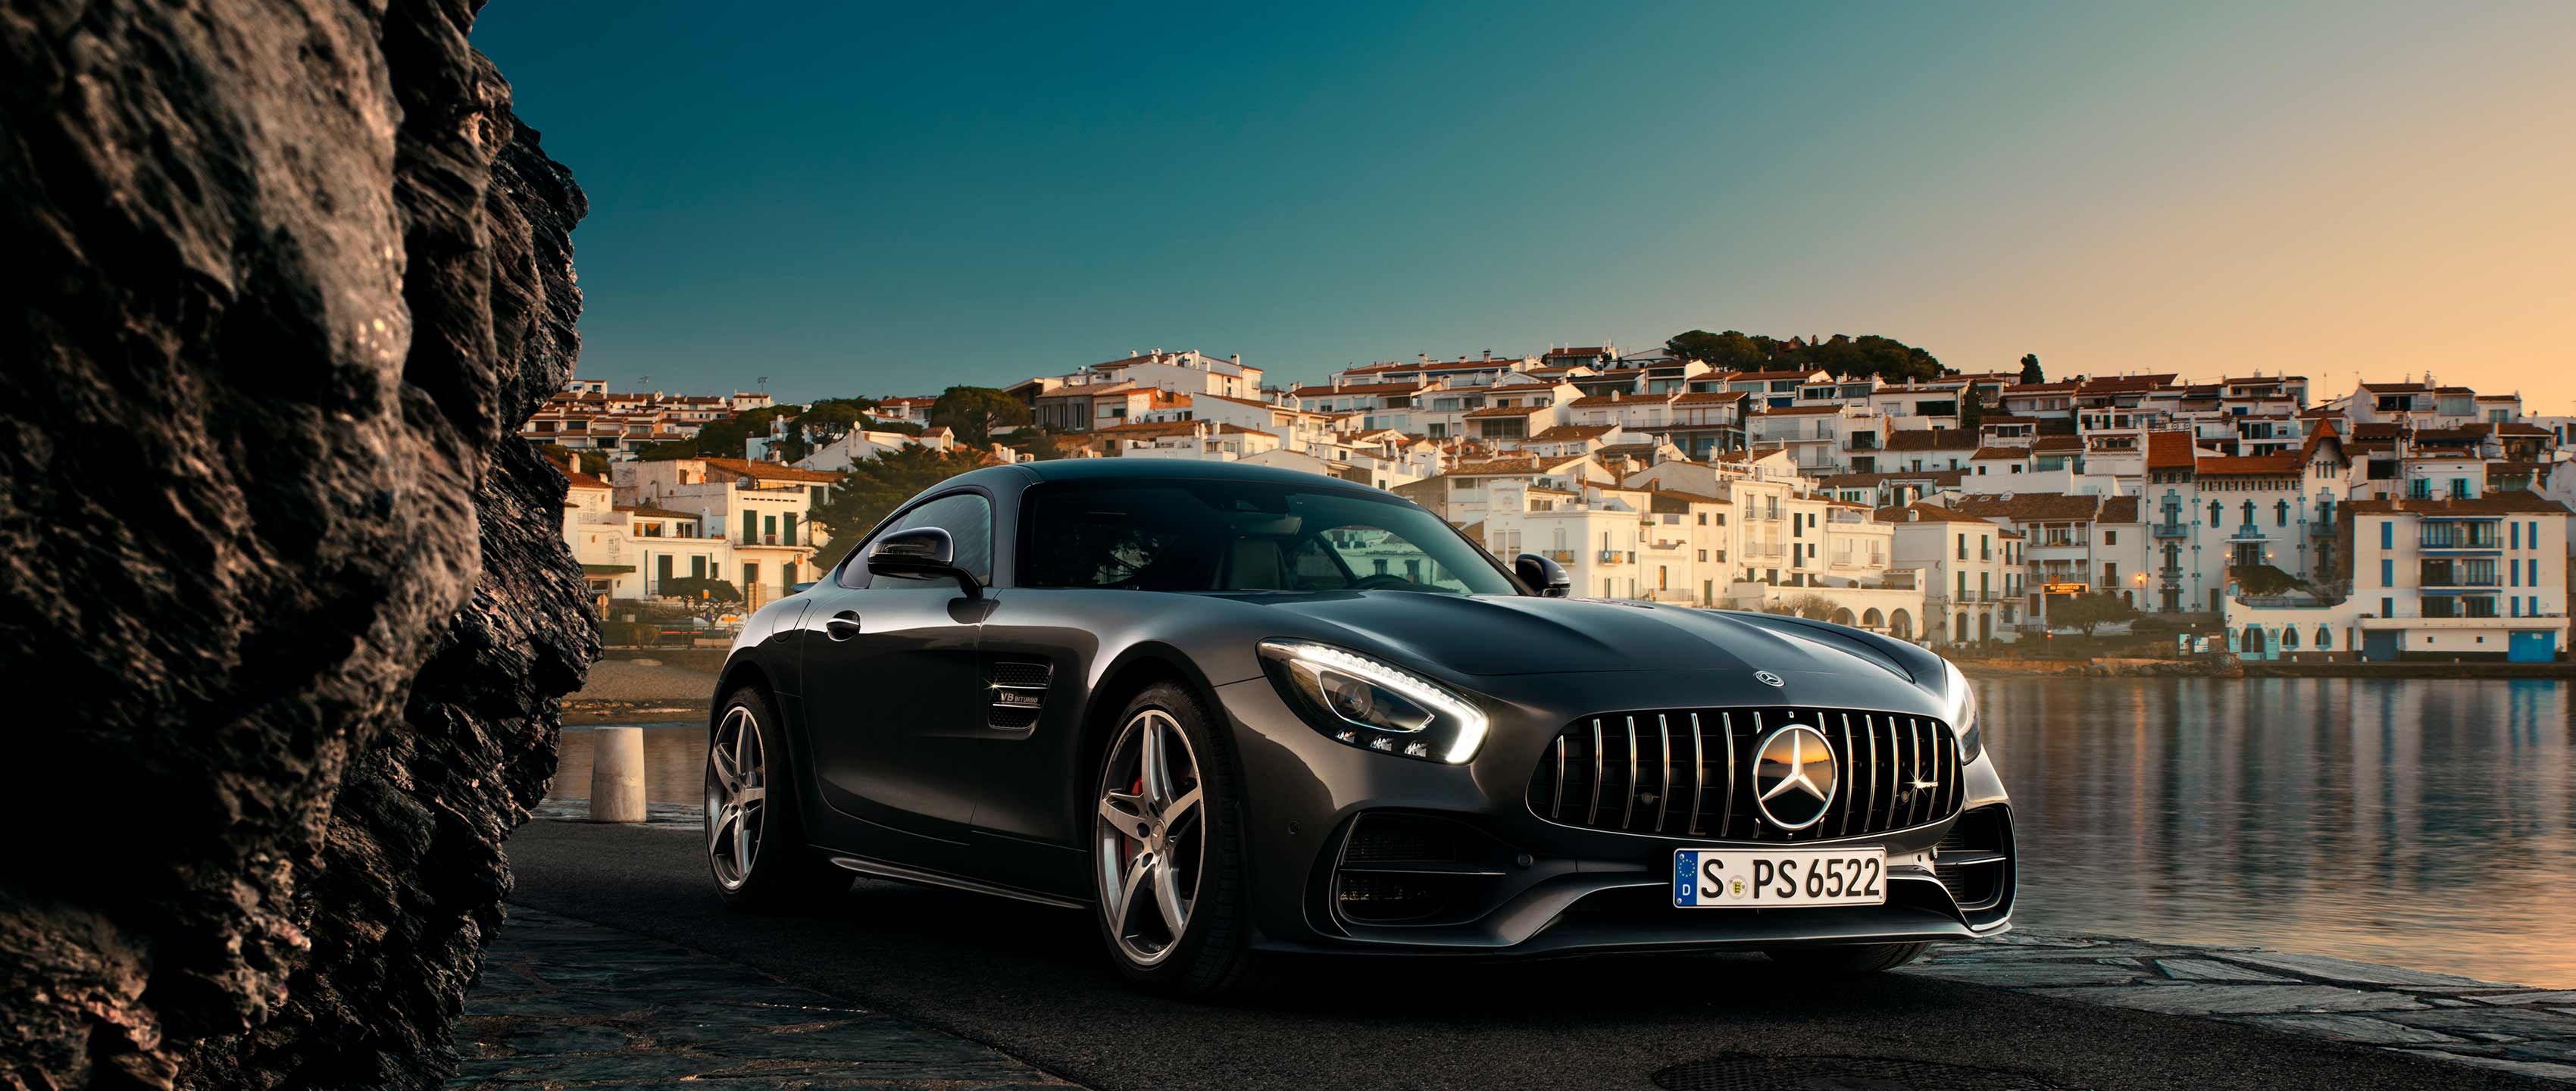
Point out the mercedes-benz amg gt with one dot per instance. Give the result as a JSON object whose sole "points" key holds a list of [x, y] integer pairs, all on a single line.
{"points": [[1233, 711]]}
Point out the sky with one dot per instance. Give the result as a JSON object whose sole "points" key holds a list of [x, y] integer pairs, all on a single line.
{"points": [[891, 199]]}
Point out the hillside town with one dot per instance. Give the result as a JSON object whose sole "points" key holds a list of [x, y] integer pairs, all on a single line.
{"points": [[2403, 519]]}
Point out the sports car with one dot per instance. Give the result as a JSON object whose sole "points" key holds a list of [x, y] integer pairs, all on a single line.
{"points": [[1233, 712]]}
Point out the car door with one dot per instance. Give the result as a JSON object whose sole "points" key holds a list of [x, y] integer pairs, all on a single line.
{"points": [[890, 676]]}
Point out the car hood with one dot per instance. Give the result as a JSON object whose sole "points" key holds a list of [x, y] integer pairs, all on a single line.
{"points": [[1515, 634]]}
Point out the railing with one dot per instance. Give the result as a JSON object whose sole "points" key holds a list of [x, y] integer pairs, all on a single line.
{"points": [[2433, 577], [2431, 540], [1611, 556], [1560, 556], [2170, 530]]}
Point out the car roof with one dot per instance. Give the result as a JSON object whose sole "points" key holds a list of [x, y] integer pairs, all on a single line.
{"points": [[1112, 469]]}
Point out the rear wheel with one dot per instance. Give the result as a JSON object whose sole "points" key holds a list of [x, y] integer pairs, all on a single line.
{"points": [[1166, 856], [755, 839], [1849, 958]]}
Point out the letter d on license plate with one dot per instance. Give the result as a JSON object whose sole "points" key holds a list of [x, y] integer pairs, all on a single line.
{"points": [[1765, 878]]}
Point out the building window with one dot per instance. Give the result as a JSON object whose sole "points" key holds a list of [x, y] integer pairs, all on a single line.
{"points": [[2387, 573], [2388, 534], [2110, 537]]}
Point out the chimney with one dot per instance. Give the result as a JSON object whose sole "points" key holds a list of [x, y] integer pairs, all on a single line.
{"points": [[1489, 354], [1422, 357]]}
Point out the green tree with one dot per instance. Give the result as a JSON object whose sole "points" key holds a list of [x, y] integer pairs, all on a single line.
{"points": [[831, 418], [2089, 611], [1729, 351], [871, 488], [725, 438], [2030, 372], [1854, 357], [590, 462], [701, 588], [1972, 409], [973, 412]]}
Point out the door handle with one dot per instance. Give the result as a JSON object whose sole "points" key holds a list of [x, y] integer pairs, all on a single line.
{"points": [[842, 626]]}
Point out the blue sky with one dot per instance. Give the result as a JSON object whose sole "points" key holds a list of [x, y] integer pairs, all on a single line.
{"points": [[891, 199]]}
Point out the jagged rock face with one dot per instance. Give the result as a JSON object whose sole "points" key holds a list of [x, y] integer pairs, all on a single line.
{"points": [[285, 599]]}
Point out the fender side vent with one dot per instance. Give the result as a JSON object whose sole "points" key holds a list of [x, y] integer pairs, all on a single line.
{"points": [[1018, 690]]}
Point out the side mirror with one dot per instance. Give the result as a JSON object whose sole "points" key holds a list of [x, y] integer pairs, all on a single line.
{"points": [[1542, 574], [920, 553]]}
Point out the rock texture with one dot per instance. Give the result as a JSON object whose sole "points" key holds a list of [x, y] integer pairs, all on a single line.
{"points": [[284, 599]]}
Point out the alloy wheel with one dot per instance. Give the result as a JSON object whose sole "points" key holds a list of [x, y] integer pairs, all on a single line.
{"points": [[1152, 833], [737, 797]]}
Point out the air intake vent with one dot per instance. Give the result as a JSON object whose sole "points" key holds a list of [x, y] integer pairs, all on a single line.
{"points": [[1018, 689]]}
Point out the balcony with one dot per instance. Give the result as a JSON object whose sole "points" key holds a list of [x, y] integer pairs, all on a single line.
{"points": [[2248, 532], [2459, 541], [2170, 530], [1610, 556], [1560, 556]]}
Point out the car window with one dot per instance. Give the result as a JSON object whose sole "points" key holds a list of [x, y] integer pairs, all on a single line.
{"points": [[968, 519], [1205, 535]]}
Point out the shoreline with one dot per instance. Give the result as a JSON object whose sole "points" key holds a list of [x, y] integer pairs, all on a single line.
{"points": [[2113, 667]]}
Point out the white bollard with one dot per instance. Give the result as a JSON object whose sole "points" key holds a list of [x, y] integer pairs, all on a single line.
{"points": [[617, 774]]}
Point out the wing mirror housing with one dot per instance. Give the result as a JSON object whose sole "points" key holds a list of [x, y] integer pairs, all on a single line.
{"points": [[1543, 575], [920, 553]]}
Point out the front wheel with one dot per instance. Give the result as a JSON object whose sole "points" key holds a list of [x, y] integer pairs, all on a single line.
{"points": [[1166, 856], [755, 839], [1848, 958]]}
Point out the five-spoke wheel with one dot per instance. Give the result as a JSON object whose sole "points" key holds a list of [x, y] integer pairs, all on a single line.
{"points": [[737, 797], [1152, 831]]}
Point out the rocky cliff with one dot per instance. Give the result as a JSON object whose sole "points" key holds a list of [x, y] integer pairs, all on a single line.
{"points": [[285, 602]]}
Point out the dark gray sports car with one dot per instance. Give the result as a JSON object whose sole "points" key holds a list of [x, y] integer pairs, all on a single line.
{"points": [[1233, 711]]}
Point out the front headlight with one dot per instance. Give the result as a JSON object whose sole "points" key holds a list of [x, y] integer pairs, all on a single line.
{"points": [[1372, 705], [1963, 715]]}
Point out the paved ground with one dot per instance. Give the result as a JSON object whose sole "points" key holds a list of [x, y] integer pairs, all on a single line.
{"points": [[1031, 982], [568, 1004]]}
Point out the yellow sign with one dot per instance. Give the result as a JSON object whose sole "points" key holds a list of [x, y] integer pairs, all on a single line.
{"points": [[2065, 588]]}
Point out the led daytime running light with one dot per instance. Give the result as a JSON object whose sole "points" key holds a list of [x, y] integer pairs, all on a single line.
{"points": [[1469, 719]]}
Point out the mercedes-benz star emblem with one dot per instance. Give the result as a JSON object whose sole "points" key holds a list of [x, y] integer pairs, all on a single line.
{"points": [[1794, 775], [1769, 679]]}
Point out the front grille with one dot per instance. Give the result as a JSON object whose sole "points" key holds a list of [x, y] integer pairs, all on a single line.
{"points": [[1689, 773]]}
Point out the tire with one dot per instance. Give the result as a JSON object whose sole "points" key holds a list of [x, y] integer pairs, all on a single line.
{"points": [[1848, 958], [1209, 956], [784, 874]]}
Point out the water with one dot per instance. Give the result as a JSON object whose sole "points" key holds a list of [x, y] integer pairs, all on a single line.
{"points": [[2420, 823], [2428, 824]]}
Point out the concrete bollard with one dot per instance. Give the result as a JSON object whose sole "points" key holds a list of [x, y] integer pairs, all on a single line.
{"points": [[617, 774]]}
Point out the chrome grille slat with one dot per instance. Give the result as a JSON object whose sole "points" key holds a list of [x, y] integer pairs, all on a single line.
{"points": [[1914, 734], [1556, 800], [1664, 802], [1699, 774], [1593, 818], [1726, 816], [1843, 783], [1628, 797]]}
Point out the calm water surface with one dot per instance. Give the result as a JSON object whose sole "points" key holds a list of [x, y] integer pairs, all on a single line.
{"points": [[2429, 824]]}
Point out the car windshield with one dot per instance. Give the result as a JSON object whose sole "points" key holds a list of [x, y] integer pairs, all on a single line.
{"points": [[1201, 535]]}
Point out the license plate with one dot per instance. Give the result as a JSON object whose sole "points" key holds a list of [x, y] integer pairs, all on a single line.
{"points": [[1764, 878]]}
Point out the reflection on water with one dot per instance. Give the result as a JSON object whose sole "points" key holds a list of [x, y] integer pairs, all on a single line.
{"points": [[2418, 823], [2429, 824]]}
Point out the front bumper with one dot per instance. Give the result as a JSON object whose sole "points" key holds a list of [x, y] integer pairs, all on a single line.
{"points": [[1527, 886]]}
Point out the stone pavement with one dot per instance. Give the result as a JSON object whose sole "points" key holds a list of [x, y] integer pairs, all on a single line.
{"points": [[2531, 1032], [566, 1004]]}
